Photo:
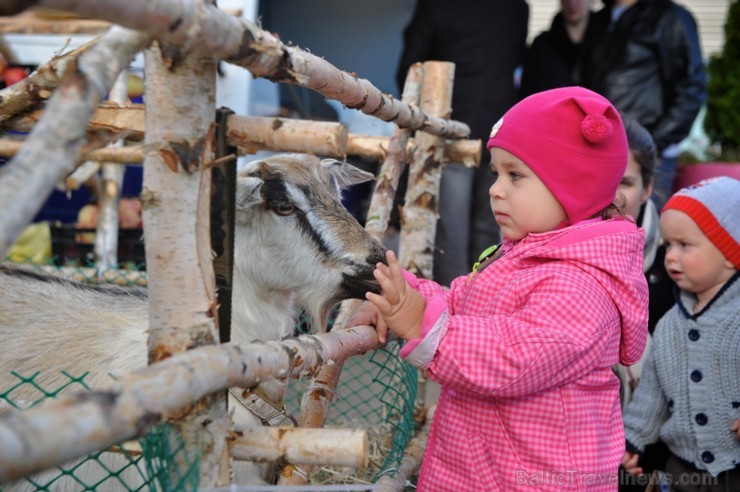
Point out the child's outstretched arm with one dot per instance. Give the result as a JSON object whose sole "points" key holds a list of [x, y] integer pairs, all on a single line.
{"points": [[400, 306]]}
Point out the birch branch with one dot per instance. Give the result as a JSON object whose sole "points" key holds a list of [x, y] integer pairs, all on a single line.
{"points": [[194, 25], [38, 85], [31, 23], [106, 229], [58, 431], [369, 146], [59, 136], [413, 455], [419, 214], [467, 152], [334, 447], [81, 175], [381, 203], [253, 133], [287, 135], [128, 119]]}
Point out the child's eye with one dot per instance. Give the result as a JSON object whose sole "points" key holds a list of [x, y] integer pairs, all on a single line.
{"points": [[515, 176], [495, 175]]}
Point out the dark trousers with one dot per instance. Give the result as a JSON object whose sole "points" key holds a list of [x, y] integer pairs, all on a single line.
{"points": [[687, 478]]}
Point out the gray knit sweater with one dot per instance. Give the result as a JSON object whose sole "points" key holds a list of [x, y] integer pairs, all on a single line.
{"points": [[689, 393]]}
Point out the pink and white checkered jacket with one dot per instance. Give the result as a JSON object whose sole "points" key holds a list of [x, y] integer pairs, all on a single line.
{"points": [[524, 352]]}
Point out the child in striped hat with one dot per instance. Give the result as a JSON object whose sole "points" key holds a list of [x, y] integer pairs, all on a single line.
{"points": [[689, 395]]}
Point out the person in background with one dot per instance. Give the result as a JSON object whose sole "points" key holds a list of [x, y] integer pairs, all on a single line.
{"points": [[523, 347], [689, 395], [636, 187], [647, 61], [554, 57], [486, 41]]}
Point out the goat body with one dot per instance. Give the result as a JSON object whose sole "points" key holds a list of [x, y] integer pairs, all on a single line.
{"points": [[295, 245]]}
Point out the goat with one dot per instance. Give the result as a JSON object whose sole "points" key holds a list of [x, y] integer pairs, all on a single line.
{"points": [[295, 246]]}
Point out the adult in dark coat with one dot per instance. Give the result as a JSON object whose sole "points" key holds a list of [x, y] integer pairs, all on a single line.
{"points": [[554, 57], [648, 63], [486, 41]]}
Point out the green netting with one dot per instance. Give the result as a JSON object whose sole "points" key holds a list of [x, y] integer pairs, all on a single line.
{"points": [[160, 462], [376, 392]]}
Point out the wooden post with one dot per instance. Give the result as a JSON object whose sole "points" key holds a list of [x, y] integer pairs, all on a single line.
{"points": [[175, 199], [106, 231], [419, 217], [223, 198], [413, 455], [340, 447]]}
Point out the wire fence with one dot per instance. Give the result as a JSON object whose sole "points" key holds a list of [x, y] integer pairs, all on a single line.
{"points": [[376, 392]]}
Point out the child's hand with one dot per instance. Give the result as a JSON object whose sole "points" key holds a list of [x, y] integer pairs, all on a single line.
{"points": [[736, 428], [629, 463], [368, 314], [400, 306]]}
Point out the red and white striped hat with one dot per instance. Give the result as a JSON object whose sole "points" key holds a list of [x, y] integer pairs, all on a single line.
{"points": [[714, 204]]}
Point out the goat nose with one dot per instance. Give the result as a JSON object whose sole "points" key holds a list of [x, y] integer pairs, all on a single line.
{"points": [[377, 255]]}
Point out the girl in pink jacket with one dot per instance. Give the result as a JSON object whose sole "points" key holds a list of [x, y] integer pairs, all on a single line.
{"points": [[523, 347]]}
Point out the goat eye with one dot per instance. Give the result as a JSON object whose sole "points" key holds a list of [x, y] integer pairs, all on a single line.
{"points": [[284, 209]]}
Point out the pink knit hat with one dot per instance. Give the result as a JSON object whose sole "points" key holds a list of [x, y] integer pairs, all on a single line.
{"points": [[575, 142]]}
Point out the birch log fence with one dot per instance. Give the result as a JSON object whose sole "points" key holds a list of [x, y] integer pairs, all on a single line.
{"points": [[182, 40]]}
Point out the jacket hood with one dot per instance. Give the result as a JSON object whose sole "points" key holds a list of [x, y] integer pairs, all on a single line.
{"points": [[611, 251]]}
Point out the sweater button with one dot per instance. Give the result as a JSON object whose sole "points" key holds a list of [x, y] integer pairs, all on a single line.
{"points": [[696, 376], [701, 419], [694, 334], [707, 457]]}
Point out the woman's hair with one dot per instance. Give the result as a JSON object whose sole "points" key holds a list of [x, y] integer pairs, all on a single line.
{"points": [[642, 147]]}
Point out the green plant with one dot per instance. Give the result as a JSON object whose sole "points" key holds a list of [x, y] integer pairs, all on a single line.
{"points": [[722, 121]]}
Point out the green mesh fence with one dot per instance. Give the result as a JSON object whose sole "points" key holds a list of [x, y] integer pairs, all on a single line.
{"points": [[159, 461], [376, 392]]}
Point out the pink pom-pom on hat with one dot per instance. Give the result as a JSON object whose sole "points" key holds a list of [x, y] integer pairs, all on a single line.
{"points": [[596, 128], [575, 142]]}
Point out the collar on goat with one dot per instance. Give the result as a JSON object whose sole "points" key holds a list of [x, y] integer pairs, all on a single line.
{"points": [[269, 412]]}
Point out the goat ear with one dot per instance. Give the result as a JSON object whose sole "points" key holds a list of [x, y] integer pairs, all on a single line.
{"points": [[248, 192], [346, 174]]}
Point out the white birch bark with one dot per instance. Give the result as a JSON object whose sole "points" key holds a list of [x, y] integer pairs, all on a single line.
{"points": [[175, 202], [419, 214], [467, 152], [57, 139], [106, 231], [39, 85], [287, 135], [73, 426], [411, 461], [121, 155], [333, 447]]}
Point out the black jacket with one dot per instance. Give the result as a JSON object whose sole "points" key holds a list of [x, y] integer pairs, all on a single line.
{"points": [[553, 60], [485, 40], [649, 65]]}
